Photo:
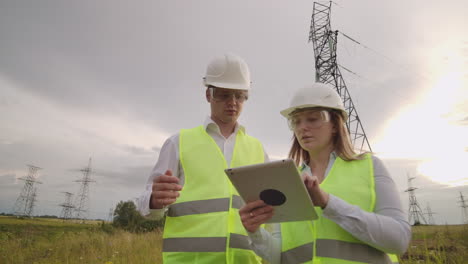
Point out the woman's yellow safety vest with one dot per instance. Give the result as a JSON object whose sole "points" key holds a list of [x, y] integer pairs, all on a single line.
{"points": [[204, 226], [323, 241]]}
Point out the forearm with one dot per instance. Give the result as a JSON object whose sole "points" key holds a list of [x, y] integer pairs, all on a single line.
{"points": [[387, 233], [267, 245]]}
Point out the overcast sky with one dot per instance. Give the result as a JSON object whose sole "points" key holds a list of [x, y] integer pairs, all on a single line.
{"points": [[112, 80]]}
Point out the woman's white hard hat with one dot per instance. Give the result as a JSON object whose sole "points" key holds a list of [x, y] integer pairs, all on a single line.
{"points": [[315, 95], [229, 71]]}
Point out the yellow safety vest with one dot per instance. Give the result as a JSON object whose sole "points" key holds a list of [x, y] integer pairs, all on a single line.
{"points": [[204, 226], [323, 241]]}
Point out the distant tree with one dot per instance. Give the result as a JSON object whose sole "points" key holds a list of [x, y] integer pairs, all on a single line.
{"points": [[127, 217]]}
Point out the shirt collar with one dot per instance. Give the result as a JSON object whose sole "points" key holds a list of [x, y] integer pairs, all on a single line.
{"points": [[209, 123], [305, 167]]}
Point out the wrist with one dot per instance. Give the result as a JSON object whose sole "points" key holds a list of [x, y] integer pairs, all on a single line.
{"points": [[325, 199]]}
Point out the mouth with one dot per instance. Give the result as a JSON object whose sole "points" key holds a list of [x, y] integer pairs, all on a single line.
{"points": [[230, 111], [307, 138]]}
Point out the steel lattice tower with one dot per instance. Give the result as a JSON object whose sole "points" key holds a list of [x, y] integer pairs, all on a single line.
{"points": [[414, 212], [82, 202], [67, 206], [25, 202], [430, 219], [464, 208], [324, 40], [110, 217]]}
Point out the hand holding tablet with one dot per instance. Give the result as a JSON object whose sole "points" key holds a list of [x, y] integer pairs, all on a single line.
{"points": [[278, 184]]}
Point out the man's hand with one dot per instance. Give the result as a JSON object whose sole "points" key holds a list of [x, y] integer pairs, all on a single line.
{"points": [[254, 214], [165, 190]]}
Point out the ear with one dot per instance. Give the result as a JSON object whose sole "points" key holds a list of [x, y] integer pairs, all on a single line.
{"points": [[207, 95]]}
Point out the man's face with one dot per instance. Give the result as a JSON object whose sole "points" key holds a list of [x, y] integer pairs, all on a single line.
{"points": [[226, 104]]}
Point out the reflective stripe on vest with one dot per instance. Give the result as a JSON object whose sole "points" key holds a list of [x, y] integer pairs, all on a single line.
{"points": [[205, 244], [204, 206], [204, 222], [335, 249]]}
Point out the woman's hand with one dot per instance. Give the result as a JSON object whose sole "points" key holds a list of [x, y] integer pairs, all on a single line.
{"points": [[254, 214], [318, 196]]}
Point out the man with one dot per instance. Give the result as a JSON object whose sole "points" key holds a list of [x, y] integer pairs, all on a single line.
{"points": [[202, 223]]}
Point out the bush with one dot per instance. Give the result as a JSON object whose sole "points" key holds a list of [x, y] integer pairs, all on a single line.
{"points": [[128, 218]]}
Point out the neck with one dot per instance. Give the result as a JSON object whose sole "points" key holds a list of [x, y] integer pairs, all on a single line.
{"points": [[319, 161], [226, 128]]}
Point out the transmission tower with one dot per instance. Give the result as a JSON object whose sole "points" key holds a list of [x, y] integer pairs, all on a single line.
{"points": [[82, 202], [414, 211], [464, 207], [25, 202], [327, 71], [429, 213], [110, 217], [67, 206]]}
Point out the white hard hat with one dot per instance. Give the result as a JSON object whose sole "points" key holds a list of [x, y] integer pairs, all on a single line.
{"points": [[316, 95], [229, 71]]}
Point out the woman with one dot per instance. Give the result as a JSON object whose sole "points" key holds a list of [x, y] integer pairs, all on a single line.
{"points": [[360, 215]]}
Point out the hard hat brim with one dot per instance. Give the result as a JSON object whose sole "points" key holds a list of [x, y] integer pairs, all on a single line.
{"points": [[227, 85], [287, 112]]}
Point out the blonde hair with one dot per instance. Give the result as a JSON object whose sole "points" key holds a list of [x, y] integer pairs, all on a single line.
{"points": [[341, 142]]}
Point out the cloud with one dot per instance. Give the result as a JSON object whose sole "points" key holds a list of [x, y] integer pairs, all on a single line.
{"points": [[129, 176], [463, 122], [7, 179], [138, 150]]}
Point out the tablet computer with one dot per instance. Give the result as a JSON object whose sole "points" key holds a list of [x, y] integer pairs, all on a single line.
{"points": [[277, 183]]}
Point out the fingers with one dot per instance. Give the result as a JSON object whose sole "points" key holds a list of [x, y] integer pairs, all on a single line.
{"points": [[166, 187], [304, 175], [255, 214], [165, 190], [251, 205]]}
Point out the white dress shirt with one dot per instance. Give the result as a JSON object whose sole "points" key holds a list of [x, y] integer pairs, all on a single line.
{"points": [[169, 160]]}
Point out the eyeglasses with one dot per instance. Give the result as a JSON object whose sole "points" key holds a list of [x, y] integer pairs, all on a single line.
{"points": [[310, 119], [226, 95]]}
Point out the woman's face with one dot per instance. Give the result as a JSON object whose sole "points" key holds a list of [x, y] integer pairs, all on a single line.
{"points": [[313, 129]]}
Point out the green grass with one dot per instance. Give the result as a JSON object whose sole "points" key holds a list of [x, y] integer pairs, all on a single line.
{"points": [[52, 241], [438, 244]]}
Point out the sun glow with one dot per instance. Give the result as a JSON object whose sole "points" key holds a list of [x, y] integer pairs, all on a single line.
{"points": [[431, 130]]}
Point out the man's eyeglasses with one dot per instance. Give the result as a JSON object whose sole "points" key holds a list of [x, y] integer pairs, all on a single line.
{"points": [[310, 119], [226, 95]]}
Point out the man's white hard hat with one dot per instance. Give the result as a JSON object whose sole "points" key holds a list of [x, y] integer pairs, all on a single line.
{"points": [[315, 95], [229, 71]]}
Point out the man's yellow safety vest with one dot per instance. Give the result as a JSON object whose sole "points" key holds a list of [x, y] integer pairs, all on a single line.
{"points": [[204, 226], [323, 241]]}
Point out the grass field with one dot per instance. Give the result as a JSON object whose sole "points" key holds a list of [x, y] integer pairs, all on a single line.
{"points": [[52, 241]]}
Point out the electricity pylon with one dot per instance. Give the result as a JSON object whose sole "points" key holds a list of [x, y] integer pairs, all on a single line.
{"points": [[83, 202], [24, 205], [464, 208], [110, 217], [414, 212], [327, 71], [67, 207], [429, 213]]}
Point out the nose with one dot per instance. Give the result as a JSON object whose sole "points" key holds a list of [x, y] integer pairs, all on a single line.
{"points": [[301, 126], [232, 100]]}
